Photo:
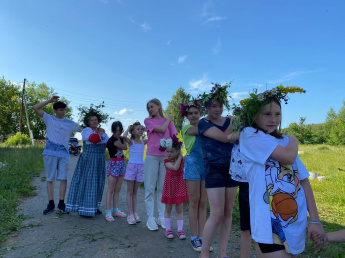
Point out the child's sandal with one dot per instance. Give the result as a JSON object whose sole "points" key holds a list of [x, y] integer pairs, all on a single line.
{"points": [[109, 218], [181, 234], [137, 219], [131, 220], [169, 234], [120, 214]]}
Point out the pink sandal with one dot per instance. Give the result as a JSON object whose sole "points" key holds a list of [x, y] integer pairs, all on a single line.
{"points": [[131, 220], [169, 234], [181, 235], [137, 219]]}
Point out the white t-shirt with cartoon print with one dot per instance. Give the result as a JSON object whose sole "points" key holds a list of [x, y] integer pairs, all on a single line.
{"points": [[278, 208]]}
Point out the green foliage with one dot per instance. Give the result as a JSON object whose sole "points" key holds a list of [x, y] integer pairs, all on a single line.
{"points": [[85, 113], [9, 107], [18, 139], [302, 132], [17, 167], [173, 107]]}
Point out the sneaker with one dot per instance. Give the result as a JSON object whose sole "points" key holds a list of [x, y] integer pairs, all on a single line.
{"points": [[62, 208], [160, 222], [211, 248], [151, 224], [49, 209], [196, 244]]}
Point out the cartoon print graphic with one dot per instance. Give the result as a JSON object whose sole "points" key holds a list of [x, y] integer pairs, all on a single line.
{"points": [[282, 186]]}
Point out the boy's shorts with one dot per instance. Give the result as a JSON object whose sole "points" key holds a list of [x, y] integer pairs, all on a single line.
{"points": [[135, 172], [56, 167]]}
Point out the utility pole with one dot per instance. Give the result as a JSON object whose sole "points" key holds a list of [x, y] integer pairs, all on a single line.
{"points": [[27, 119], [21, 108]]}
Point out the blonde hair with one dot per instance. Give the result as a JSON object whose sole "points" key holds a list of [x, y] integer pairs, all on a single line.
{"points": [[156, 102]]}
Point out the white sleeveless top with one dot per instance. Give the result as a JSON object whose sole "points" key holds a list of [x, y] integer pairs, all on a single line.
{"points": [[136, 153]]}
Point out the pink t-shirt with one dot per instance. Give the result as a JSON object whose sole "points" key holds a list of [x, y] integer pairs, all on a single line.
{"points": [[154, 138]]}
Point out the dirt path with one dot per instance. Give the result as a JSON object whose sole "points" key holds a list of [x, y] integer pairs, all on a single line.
{"points": [[68, 235]]}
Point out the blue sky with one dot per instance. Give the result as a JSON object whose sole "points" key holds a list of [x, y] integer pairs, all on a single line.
{"points": [[127, 52]]}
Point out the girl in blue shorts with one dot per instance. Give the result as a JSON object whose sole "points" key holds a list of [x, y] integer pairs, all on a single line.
{"points": [[194, 173], [135, 169]]}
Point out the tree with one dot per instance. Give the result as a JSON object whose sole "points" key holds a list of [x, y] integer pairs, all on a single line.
{"points": [[302, 132], [329, 123], [337, 133], [9, 107], [173, 107]]}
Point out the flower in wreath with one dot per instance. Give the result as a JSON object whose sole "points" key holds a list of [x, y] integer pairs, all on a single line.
{"points": [[85, 113], [192, 103], [218, 93], [170, 143], [244, 114]]}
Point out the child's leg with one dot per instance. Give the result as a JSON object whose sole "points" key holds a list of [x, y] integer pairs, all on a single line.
{"points": [[202, 209], [135, 197], [62, 189], [117, 191], [246, 244], [193, 188], [243, 203], [225, 226], [50, 190], [111, 188], [167, 216], [130, 185], [273, 254]]}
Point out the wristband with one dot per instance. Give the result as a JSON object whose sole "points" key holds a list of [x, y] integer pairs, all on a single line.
{"points": [[315, 222]]}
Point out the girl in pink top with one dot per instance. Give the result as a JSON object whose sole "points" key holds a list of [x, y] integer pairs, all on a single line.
{"points": [[158, 127]]}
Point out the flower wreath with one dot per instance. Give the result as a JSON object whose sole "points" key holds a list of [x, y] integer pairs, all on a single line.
{"points": [[185, 108], [218, 93], [244, 114], [170, 143], [86, 113]]}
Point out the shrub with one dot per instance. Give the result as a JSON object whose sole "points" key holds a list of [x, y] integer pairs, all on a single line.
{"points": [[18, 139]]}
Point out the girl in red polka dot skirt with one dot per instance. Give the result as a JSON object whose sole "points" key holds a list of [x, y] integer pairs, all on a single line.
{"points": [[175, 188]]}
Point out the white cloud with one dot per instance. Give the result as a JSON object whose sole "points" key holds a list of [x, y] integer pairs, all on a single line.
{"points": [[125, 111], [216, 49], [181, 59], [214, 19], [293, 75], [207, 8], [199, 85], [145, 26], [238, 95]]}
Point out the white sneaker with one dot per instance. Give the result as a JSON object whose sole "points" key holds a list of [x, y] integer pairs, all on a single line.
{"points": [[151, 224], [160, 222]]}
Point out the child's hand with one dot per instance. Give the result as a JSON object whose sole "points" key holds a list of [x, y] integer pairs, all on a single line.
{"points": [[316, 231], [170, 117], [100, 131], [54, 99], [233, 137]]}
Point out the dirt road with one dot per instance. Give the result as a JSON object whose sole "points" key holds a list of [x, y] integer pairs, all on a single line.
{"points": [[69, 235]]}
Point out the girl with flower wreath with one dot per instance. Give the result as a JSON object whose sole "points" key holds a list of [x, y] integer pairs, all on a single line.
{"points": [[87, 185], [279, 190], [194, 173], [216, 148], [175, 188], [157, 127]]}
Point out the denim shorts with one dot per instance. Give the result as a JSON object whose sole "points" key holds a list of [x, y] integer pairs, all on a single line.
{"points": [[194, 169], [218, 176], [55, 167], [243, 203]]}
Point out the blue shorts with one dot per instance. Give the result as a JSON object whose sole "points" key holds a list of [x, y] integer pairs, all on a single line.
{"points": [[218, 176], [55, 167], [194, 169]]}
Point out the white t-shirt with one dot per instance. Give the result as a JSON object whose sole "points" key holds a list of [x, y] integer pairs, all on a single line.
{"points": [[278, 208], [58, 134]]}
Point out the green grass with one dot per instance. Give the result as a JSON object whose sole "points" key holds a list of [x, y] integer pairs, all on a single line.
{"points": [[21, 164], [329, 161]]}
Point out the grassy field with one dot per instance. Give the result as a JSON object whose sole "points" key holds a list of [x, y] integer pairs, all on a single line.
{"points": [[21, 164], [17, 167]]}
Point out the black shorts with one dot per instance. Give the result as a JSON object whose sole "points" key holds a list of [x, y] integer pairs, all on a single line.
{"points": [[270, 248], [243, 204], [217, 176]]}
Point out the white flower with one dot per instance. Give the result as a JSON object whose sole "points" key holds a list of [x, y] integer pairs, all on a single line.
{"points": [[163, 143], [169, 143]]}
